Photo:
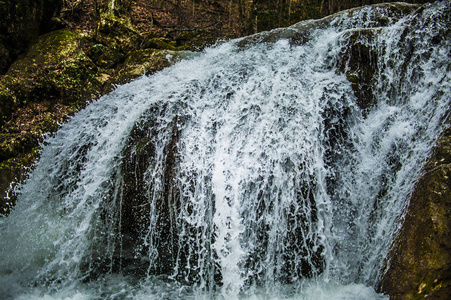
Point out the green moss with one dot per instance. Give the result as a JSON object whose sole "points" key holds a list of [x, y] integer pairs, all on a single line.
{"points": [[14, 93], [58, 68], [158, 43], [49, 49], [194, 40], [53, 79], [147, 61], [118, 33], [104, 56], [358, 63]]}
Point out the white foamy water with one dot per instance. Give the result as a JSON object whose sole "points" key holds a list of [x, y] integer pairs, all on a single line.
{"points": [[248, 172]]}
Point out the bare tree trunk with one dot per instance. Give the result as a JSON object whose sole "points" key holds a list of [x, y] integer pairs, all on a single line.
{"points": [[115, 7], [289, 11], [281, 12], [255, 16], [322, 8], [111, 7]]}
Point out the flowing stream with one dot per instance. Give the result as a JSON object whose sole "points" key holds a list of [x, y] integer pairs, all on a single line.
{"points": [[250, 171]]}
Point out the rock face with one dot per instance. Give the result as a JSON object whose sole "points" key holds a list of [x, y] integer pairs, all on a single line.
{"points": [[140, 155], [419, 264], [58, 67]]}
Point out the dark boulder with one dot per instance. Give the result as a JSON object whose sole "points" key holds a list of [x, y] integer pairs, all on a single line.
{"points": [[21, 23], [419, 263]]}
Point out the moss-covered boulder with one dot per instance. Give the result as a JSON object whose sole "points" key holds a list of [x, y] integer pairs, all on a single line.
{"points": [[21, 22], [41, 88], [19, 147], [195, 40], [14, 93], [54, 74], [57, 76], [147, 61], [159, 43], [419, 264], [59, 68], [105, 57]]}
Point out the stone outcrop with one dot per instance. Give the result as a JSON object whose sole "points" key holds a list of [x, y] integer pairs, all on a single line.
{"points": [[419, 265], [139, 155]]}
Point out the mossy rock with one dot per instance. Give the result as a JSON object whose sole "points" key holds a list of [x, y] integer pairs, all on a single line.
{"points": [[160, 44], [49, 82], [195, 40], [48, 50], [14, 92], [419, 263], [359, 63], [104, 56], [19, 142], [147, 61], [117, 33], [28, 125], [12, 172], [53, 78], [21, 23], [59, 68]]}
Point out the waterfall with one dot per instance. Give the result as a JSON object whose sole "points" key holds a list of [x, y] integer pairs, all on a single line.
{"points": [[255, 170]]}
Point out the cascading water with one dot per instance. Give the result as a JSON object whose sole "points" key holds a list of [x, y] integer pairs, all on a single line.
{"points": [[251, 171]]}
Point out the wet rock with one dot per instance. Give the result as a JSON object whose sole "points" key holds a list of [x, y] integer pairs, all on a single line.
{"points": [[419, 264], [359, 63], [141, 198]]}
